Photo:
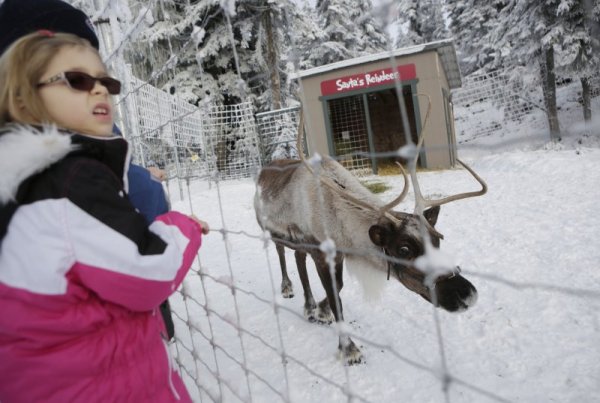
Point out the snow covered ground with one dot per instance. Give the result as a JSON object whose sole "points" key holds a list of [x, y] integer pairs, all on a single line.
{"points": [[530, 246]]}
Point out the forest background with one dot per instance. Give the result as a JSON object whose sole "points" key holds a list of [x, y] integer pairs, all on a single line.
{"points": [[231, 51]]}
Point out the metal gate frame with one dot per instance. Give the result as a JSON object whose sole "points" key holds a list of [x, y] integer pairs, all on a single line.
{"points": [[364, 92]]}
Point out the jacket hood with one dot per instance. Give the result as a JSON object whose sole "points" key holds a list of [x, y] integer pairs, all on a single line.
{"points": [[25, 151]]}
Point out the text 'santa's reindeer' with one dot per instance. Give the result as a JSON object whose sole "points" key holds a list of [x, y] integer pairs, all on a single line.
{"points": [[302, 204]]}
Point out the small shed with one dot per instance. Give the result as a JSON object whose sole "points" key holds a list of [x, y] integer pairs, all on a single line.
{"points": [[352, 107]]}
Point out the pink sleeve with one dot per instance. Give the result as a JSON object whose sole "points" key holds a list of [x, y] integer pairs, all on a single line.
{"points": [[122, 272]]}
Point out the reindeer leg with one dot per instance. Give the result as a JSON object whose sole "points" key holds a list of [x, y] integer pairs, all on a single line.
{"points": [[309, 301], [348, 350], [287, 290], [324, 312]]}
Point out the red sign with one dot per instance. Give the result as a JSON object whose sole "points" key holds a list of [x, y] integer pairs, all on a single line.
{"points": [[370, 79]]}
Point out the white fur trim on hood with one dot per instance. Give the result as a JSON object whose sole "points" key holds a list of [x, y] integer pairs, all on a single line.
{"points": [[25, 151]]}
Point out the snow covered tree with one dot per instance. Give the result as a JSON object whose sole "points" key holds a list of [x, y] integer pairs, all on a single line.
{"points": [[546, 34], [472, 25], [305, 50], [227, 51], [538, 36], [521, 34], [420, 22], [578, 53], [167, 50], [349, 31]]}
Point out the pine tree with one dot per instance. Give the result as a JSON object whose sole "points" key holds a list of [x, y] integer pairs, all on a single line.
{"points": [[224, 53], [542, 36], [305, 51], [523, 35], [558, 34], [420, 22], [349, 31], [580, 45], [473, 25]]}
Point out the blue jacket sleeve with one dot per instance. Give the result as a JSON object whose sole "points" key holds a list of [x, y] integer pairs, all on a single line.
{"points": [[145, 193]]}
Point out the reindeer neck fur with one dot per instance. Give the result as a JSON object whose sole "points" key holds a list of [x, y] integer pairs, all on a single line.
{"points": [[352, 232], [328, 215], [350, 221]]}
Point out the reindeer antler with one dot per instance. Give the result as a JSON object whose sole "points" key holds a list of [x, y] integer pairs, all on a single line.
{"points": [[397, 200], [332, 185], [420, 202]]}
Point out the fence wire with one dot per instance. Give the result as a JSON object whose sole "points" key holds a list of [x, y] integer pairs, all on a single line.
{"points": [[225, 348], [277, 133], [515, 108]]}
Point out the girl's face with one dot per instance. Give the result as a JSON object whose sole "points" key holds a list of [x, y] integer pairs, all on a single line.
{"points": [[87, 112]]}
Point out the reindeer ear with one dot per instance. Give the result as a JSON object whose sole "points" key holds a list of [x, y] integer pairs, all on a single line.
{"points": [[379, 235], [432, 215]]}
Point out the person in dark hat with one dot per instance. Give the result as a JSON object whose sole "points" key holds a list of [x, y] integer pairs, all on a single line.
{"points": [[21, 17]]}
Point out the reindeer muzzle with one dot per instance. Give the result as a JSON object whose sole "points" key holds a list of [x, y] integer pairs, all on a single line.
{"points": [[451, 292]]}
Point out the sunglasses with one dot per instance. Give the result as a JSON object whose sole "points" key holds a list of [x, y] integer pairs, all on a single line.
{"points": [[84, 82]]}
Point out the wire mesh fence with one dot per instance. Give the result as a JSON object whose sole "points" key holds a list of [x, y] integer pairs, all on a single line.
{"points": [[278, 131], [237, 339], [169, 133], [233, 140], [222, 344], [349, 132], [189, 141], [495, 91]]}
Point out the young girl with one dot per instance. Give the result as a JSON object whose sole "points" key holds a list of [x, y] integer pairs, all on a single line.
{"points": [[81, 273]]}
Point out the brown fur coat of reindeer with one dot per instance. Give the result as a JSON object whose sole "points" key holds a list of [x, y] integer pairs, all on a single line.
{"points": [[303, 204]]}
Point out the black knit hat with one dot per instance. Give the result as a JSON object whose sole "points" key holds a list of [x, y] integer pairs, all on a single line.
{"points": [[21, 17]]}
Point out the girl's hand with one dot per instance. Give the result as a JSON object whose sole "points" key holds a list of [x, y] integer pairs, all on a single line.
{"points": [[157, 173], [203, 224]]}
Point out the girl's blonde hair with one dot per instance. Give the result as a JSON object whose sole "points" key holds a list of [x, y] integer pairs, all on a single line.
{"points": [[22, 67]]}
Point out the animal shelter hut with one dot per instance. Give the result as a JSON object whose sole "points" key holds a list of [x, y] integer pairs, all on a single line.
{"points": [[354, 109]]}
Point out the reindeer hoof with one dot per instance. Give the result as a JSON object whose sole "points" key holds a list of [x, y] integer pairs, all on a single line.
{"points": [[324, 320], [310, 314], [287, 291], [351, 354], [324, 316]]}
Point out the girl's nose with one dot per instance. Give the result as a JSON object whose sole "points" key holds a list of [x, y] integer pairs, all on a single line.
{"points": [[99, 88]]}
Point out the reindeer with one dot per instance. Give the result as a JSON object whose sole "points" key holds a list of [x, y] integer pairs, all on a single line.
{"points": [[366, 232]]}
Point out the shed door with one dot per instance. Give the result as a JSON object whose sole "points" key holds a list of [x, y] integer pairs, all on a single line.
{"points": [[386, 123], [349, 134]]}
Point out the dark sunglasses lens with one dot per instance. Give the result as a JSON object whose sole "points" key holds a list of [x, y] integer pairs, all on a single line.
{"points": [[113, 86], [85, 82], [80, 81]]}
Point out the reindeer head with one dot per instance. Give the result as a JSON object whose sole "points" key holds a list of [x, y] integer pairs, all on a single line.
{"points": [[399, 235], [401, 239]]}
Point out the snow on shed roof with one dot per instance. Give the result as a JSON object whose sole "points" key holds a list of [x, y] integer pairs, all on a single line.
{"points": [[444, 47]]}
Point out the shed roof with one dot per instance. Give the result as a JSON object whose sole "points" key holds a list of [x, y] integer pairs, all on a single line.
{"points": [[445, 49]]}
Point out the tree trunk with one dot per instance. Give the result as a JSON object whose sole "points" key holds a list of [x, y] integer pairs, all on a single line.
{"points": [[549, 89], [587, 99], [273, 61]]}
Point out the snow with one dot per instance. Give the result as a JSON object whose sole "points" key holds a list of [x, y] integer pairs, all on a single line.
{"points": [[530, 246], [375, 57]]}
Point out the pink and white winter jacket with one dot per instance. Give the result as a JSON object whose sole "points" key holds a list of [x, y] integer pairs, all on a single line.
{"points": [[82, 275]]}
